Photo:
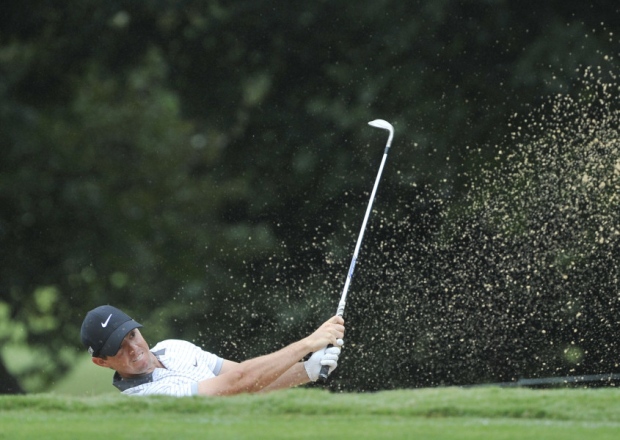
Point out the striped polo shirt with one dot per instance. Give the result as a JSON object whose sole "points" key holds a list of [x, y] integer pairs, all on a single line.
{"points": [[186, 365]]}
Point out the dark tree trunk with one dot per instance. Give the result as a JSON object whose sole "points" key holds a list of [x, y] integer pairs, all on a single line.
{"points": [[8, 383]]}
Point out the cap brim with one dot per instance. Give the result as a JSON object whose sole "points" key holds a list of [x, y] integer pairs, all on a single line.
{"points": [[113, 344]]}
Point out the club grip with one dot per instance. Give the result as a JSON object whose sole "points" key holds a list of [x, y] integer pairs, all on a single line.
{"points": [[324, 371]]}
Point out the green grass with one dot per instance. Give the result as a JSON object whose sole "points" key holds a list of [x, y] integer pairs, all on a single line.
{"points": [[86, 379], [440, 413], [85, 405]]}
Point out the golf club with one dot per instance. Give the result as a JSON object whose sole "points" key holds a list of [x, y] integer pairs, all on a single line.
{"points": [[378, 123]]}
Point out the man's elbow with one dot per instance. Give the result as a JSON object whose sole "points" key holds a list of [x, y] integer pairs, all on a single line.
{"points": [[248, 381], [238, 381]]}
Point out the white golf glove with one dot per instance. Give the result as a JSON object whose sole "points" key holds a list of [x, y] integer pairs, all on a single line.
{"points": [[325, 356]]}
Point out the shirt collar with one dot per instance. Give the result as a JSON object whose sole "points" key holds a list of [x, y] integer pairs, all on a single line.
{"points": [[126, 383]]}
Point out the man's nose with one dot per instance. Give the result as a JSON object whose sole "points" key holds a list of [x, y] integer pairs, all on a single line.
{"points": [[132, 347]]}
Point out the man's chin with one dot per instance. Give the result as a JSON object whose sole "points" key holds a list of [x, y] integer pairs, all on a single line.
{"points": [[140, 365]]}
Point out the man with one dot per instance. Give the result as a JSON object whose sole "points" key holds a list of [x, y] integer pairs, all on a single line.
{"points": [[180, 368]]}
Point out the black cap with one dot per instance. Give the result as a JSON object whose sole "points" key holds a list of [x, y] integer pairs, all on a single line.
{"points": [[104, 329]]}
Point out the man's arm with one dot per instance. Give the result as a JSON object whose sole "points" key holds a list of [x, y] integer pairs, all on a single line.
{"points": [[294, 376], [275, 369], [302, 372]]}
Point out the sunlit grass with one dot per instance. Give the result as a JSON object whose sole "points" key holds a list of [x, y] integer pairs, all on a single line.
{"points": [[440, 413]]}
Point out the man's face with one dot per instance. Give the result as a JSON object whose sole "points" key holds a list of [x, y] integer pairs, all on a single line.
{"points": [[132, 359]]}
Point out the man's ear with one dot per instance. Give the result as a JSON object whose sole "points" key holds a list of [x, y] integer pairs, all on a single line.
{"points": [[99, 361]]}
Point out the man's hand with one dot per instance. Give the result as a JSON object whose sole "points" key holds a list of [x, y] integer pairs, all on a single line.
{"points": [[327, 334], [325, 356]]}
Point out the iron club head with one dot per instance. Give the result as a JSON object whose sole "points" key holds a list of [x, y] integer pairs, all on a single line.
{"points": [[380, 123], [385, 125]]}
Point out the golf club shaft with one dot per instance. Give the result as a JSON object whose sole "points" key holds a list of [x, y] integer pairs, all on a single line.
{"points": [[343, 298]]}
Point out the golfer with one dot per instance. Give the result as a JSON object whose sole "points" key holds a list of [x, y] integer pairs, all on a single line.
{"points": [[180, 368]]}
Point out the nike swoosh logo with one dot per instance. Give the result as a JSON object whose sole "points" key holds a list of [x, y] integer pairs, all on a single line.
{"points": [[105, 324], [195, 362]]}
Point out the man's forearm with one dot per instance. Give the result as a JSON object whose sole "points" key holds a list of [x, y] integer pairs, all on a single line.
{"points": [[294, 376], [257, 374]]}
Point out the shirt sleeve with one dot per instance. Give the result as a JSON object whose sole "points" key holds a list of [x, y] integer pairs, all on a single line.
{"points": [[213, 361]]}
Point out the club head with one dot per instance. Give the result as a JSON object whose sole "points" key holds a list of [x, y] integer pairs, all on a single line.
{"points": [[380, 123], [385, 125]]}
